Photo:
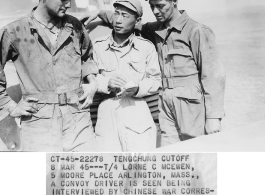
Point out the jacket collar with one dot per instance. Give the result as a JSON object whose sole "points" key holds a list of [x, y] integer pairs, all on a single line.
{"points": [[131, 41], [66, 26], [178, 25]]}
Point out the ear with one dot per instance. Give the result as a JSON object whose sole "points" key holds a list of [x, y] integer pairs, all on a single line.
{"points": [[138, 21]]}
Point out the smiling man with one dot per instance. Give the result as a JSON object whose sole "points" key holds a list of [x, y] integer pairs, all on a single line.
{"points": [[192, 100], [52, 54], [129, 70]]}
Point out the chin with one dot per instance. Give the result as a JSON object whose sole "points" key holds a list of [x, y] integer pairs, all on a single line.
{"points": [[119, 32], [160, 19], [61, 14]]}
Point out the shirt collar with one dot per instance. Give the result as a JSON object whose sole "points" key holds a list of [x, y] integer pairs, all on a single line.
{"points": [[130, 41], [65, 21], [178, 25]]}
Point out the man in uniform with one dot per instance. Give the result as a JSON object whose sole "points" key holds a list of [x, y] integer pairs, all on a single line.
{"points": [[52, 54], [192, 100], [128, 66]]}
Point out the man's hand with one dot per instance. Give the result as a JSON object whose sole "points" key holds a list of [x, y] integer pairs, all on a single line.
{"points": [[89, 91], [130, 89], [89, 17], [116, 82], [213, 125], [88, 95], [25, 107]]}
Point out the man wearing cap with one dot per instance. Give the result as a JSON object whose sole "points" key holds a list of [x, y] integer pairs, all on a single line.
{"points": [[52, 54], [192, 100], [129, 70]]}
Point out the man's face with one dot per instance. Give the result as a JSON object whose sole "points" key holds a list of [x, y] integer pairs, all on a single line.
{"points": [[162, 9], [124, 20], [57, 8]]}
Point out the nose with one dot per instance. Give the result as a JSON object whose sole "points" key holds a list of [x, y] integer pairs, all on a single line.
{"points": [[119, 19], [155, 10], [68, 4]]}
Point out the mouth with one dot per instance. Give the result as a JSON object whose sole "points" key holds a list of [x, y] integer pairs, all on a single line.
{"points": [[117, 27], [159, 17], [63, 11]]}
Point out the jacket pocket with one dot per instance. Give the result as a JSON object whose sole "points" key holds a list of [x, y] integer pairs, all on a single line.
{"points": [[179, 57], [139, 127], [138, 66], [45, 112], [75, 109], [192, 93]]}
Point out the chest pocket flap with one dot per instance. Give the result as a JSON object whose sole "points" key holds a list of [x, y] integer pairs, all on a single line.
{"points": [[138, 66], [181, 52]]}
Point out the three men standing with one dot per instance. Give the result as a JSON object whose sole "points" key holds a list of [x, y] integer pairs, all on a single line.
{"points": [[52, 54], [192, 100]]}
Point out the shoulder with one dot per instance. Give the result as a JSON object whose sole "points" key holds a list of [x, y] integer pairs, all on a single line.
{"points": [[199, 29], [140, 41], [15, 28], [101, 42], [102, 39], [18, 23], [74, 21], [143, 44], [153, 25]]}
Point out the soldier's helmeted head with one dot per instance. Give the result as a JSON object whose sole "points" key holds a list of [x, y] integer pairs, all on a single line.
{"points": [[127, 14]]}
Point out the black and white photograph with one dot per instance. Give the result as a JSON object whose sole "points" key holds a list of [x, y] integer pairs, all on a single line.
{"points": [[126, 76]]}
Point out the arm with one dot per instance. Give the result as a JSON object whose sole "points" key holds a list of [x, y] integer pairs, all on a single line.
{"points": [[101, 79], [89, 70], [88, 64], [152, 80], [207, 58], [7, 105]]}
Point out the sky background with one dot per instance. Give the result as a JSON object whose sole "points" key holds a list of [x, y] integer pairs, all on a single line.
{"points": [[197, 7]]}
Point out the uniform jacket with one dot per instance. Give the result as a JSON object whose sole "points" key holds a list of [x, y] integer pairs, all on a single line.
{"points": [[137, 62], [41, 67]]}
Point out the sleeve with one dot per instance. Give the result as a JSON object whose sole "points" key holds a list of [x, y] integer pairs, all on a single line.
{"points": [[7, 52], [88, 65], [107, 17], [101, 79], [145, 30], [152, 80], [207, 58]]}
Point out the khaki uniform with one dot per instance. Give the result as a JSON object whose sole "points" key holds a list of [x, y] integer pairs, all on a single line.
{"points": [[53, 74], [126, 124], [192, 74]]}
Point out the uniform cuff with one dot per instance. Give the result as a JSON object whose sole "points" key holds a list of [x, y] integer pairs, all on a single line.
{"points": [[215, 114], [89, 68], [9, 107], [141, 91]]}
